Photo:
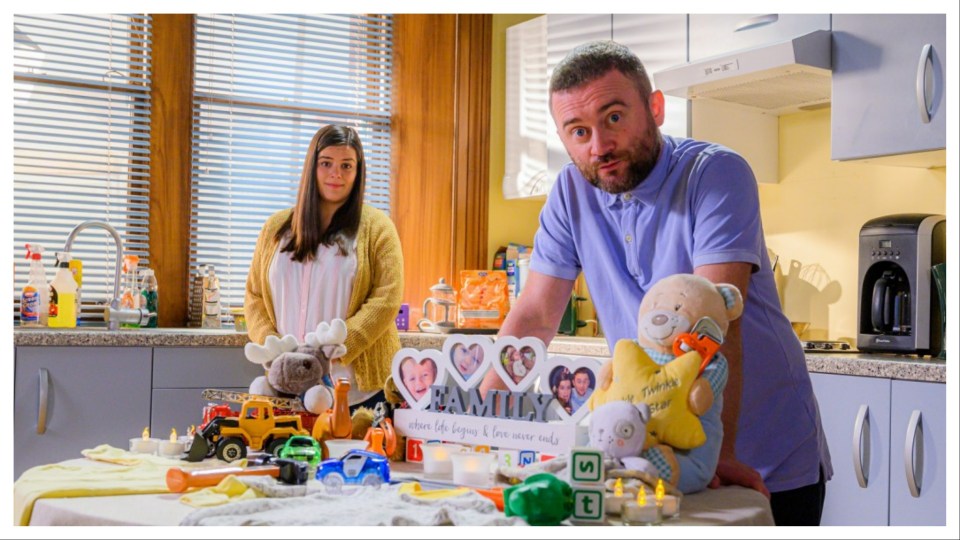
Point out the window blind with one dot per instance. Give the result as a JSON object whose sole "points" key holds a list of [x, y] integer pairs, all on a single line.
{"points": [[81, 143], [263, 85]]}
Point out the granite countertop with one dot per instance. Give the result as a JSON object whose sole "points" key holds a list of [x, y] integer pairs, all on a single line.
{"points": [[889, 366]]}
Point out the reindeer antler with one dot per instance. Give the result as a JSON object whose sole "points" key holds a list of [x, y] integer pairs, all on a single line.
{"points": [[272, 347], [329, 338]]}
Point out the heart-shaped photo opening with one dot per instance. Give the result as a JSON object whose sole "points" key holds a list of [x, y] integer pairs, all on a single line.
{"points": [[571, 389], [466, 358], [417, 377], [518, 362]]}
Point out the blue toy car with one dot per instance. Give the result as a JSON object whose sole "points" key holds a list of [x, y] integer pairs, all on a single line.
{"points": [[356, 467]]}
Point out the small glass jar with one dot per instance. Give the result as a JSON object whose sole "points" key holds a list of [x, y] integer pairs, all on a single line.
{"points": [[239, 319]]}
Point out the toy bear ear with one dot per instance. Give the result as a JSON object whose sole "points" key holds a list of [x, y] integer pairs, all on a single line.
{"points": [[732, 299], [644, 411]]}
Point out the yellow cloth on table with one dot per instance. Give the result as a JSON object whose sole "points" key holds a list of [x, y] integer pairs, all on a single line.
{"points": [[414, 489], [229, 489], [129, 473]]}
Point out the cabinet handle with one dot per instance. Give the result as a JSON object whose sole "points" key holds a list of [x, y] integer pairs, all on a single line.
{"points": [[913, 453], [754, 22], [861, 446], [44, 387], [925, 55]]}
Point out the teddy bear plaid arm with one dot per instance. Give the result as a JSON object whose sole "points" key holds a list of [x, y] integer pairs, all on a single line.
{"points": [[716, 374]]}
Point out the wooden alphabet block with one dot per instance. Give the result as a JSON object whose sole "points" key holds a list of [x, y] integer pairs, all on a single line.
{"points": [[508, 458], [588, 504], [586, 465], [527, 457], [414, 453]]}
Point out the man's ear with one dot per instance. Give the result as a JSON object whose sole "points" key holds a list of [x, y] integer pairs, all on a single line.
{"points": [[656, 104]]}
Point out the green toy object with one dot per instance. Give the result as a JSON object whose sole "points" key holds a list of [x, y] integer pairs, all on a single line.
{"points": [[542, 499]]}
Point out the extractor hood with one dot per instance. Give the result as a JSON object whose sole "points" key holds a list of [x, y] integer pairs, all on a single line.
{"points": [[778, 78]]}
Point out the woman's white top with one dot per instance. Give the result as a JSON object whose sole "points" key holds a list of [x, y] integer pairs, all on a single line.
{"points": [[308, 293]]}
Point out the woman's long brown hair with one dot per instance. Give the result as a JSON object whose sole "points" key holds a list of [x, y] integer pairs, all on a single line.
{"points": [[304, 223]]}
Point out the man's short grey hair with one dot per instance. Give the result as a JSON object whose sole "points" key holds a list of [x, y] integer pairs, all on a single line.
{"points": [[590, 61]]}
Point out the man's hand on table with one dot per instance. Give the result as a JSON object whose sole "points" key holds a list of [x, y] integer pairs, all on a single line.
{"points": [[733, 472]]}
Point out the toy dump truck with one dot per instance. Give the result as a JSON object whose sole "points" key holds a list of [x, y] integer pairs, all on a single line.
{"points": [[257, 426]]}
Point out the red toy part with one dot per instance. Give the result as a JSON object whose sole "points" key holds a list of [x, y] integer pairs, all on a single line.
{"points": [[212, 411]]}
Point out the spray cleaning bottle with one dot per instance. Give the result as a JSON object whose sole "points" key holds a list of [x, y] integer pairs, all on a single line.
{"points": [[63, 295], [35, 297]]}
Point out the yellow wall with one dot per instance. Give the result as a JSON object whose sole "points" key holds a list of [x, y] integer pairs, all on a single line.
{"points": [[513, 220], [812, 220]]}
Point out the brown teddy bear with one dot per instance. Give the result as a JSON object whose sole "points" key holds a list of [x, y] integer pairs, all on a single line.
{"points": [[682, 390]]}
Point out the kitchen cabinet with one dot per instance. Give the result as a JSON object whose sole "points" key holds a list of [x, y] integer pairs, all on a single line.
{"points": [[81, 397], [712, 35], [660, 41], [181, 374], [918, 454], [67, 399], [855, 414], [889, 95], [875, 428]]}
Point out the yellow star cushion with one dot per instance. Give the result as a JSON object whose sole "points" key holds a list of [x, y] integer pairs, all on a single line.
{"points": [[637, 378]]}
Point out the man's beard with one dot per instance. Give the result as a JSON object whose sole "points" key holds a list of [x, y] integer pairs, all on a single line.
{"points": [[641, 155]]}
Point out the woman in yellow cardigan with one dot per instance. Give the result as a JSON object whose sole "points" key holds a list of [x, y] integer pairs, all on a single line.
{"points": [[331, 256]]}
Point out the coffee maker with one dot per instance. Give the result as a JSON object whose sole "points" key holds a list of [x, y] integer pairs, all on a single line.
{"points": [[898, 308]]}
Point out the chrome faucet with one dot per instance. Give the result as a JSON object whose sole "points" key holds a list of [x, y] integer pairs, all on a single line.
{"points": [[113, 314]]}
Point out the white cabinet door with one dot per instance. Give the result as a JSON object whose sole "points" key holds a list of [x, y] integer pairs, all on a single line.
{"points": [[888, 94], [855, 413], [660, 41], [711, 35], [67, 399], [918, 454]]}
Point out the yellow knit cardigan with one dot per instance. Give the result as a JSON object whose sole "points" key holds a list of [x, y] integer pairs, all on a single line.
{"points": [[372, 337]]}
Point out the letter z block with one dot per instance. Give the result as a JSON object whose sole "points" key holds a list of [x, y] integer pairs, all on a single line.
{"points": [[586, 465]]}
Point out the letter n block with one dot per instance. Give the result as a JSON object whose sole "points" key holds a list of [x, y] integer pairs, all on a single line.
{"points": [[414, 453], [588, 504], [586, 465], [527, 457]]}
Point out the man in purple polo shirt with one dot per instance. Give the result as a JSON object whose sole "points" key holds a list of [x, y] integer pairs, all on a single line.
{"points": [[636, 206]]}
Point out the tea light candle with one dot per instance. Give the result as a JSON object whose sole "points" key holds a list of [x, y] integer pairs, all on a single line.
{"points": [[472, 468], [639, 512], [172, 448], [614, 503], [436, 458], [669, 505], [144, 444], [337, 448]]}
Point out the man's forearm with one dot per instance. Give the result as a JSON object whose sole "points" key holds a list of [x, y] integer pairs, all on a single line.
{"points": [[732, 349]]}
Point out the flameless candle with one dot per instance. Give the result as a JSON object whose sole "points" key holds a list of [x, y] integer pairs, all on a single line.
{"points": [[337, 448], [669, 505], [614, 503], [639, 512], [172, 448], [472, 468], [436, 458], [144, 444]]}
